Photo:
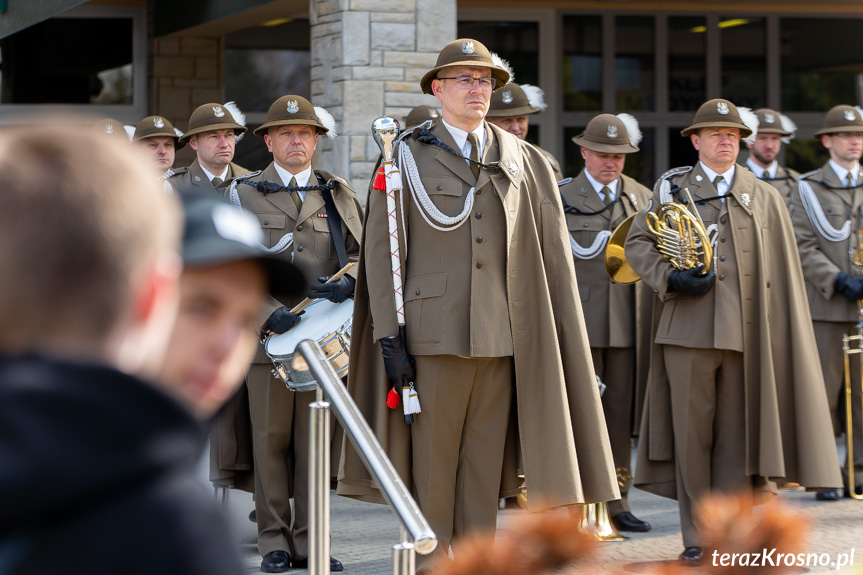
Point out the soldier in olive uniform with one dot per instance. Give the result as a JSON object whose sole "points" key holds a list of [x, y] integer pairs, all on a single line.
{"points": [[213, 133], [735, 399], [828, 215], [289, 199], [596, 202], [160, 140], [510, 110], [773, 129]]}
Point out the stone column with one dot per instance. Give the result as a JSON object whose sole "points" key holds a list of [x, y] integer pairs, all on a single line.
{"points": [[367, 59]]}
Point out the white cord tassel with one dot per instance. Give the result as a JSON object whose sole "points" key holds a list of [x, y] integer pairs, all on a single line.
{"points": [[393, 183], [410, 400]]}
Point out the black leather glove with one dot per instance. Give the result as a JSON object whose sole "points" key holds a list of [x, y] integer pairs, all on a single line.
{"points": [[337, 291], [850, 287], [397, 361], [692, 282], [281, 321]]}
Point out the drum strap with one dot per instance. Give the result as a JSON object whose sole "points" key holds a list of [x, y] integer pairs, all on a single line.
{"points": [[334, 219]]}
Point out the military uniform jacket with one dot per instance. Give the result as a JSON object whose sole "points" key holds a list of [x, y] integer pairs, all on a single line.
{"points": [[785, 181], [313, 250], [823, 259], [787, 422], [609, 308], [195, 178], [517, 232], [552, 161]]}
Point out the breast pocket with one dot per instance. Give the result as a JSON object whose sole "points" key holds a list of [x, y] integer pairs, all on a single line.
{"points": [[446, 192], [837, 212], [424, 308], [323, 238], [273, 225]]}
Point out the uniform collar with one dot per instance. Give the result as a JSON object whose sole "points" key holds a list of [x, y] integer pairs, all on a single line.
{"points": [[711, 175], [210, 176], [302, 178], [772, 169], [460, 137], [843, 173], [597, 186]]}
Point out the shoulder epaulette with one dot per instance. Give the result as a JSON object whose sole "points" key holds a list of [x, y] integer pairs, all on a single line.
{"points": [[563, 182], [178, 171]]}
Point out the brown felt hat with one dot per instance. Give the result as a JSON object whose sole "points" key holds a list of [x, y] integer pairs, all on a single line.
{"points": [[153, 126], [510, 101], [606, 134], [841, 119], [210, 117], [465, 52], [717, 113], [289, 110], [770, 122], [111, 127]]}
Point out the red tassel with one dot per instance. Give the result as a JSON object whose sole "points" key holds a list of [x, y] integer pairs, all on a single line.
{"points": [[392, 399], [380, 180]]}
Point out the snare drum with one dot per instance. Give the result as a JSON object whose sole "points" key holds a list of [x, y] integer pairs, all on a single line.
{"points": [[325, 322]]}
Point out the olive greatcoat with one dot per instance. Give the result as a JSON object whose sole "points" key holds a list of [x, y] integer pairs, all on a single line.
{"points": [[561, 431], [786, 420]]}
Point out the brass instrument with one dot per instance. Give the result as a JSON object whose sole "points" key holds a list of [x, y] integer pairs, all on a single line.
{"points": [[595, 517], [680, 237], [857, 263]]}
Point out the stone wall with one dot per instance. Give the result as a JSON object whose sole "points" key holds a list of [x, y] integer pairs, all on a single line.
{"points": [[186, 72], [367, 59]]}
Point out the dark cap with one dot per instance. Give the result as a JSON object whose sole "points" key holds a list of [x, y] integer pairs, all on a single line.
{"points": [[217, 233]]}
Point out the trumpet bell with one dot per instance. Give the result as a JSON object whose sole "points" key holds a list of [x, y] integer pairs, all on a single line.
{"points": [[616, 265], [596, 519]]}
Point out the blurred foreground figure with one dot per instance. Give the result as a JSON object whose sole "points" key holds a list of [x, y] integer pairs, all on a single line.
{"points": [[96, 466]]}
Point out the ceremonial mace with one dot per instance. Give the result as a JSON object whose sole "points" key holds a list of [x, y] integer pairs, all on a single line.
{"points": [[385, 130]]}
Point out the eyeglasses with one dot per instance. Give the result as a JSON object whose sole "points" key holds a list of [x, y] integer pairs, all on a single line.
{"points": [[468, 83]]}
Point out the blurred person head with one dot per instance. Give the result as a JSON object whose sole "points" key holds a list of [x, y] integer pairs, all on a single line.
{"points": [[421, 114], [159, 139], [88, 250], [512, 105], [214, 130], [226, 278], [604, 144], [842, 135], [773, 129]]}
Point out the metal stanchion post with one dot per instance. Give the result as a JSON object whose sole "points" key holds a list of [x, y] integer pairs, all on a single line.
{"points": [[319, 486], [404, 558]]}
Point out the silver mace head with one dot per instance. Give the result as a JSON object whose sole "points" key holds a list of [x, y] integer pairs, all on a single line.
{"points": [[385, 130]]}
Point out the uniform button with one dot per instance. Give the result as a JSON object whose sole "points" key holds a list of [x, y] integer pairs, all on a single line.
{"points": [[722, 220], [722, 258], [721, 277], [439, 188], [478, 265], [768, 283], [300, 228], [266, 222], [478, 192], [584, 225], [478, 215], [299, 248], [479, 239], [418, 292], [722, 239]]}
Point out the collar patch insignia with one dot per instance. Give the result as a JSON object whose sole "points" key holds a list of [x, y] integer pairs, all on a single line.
{"points": [[513, 169], [293, 107], [467, 47], [506, 97], [218, 112], [746, 199], [698, 178], [722, 108]]}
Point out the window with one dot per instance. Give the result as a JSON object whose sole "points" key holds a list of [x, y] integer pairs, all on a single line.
{"points": [[744, 61], [633, 64], [687, 77], [582, 63]]}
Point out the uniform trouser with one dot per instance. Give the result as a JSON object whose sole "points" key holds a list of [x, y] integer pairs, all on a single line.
{"points": [[616, 368], [828, 336], [280, 432], [458, 444], [707, 411]]}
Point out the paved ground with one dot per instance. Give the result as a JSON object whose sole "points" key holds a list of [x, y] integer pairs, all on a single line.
{"points": [[363, 534]]}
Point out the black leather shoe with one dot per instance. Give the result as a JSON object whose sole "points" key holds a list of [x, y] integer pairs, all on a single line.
{"points": [[276, 562], [692, 555], [335, 564], [828, 494], [626, 521]]}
